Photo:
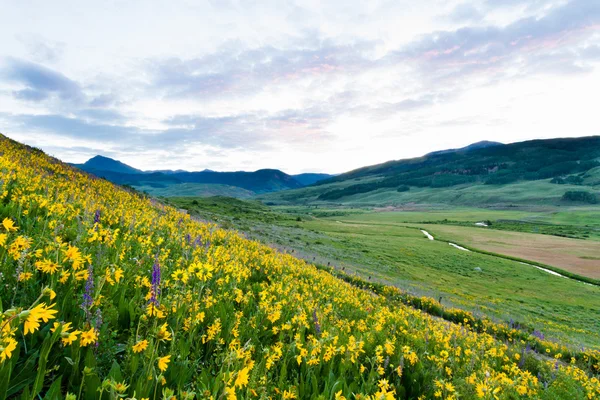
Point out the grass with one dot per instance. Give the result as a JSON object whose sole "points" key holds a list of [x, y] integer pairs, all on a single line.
{"points": [[195, 190], [576, 256], [534, 194], [378, 246]]}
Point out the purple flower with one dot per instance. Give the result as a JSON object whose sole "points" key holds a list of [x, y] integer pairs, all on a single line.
{"points": [[316, 321], [155, 282], [88, 299], [97, 217], [538, 334]]}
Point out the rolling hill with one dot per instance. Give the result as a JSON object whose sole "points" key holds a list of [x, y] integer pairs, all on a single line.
{"points": [[202, 183], [532, 172]]}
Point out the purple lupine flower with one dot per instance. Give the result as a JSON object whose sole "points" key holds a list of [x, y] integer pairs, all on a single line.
{"points": [[197, 242], [538, 334], [316, 321], [88, 299], [97, 217], [155, 282], [188, 238]]}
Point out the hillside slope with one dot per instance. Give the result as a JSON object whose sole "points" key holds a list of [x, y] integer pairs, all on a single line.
{"points": [[471, 176], [107, 294]]}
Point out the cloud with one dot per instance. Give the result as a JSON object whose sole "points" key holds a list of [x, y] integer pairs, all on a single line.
{"points": [[238, 71], [490, 49], [42, 50], [465, 12], [39, 82]]}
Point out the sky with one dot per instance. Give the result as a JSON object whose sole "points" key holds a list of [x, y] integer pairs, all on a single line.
{"points": [[302, 86]]}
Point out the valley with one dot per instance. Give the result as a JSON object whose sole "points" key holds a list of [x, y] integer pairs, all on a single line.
{"points": [[389, 247]]}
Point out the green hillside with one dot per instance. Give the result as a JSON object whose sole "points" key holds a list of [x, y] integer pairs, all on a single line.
{"points": [[536, 173]]}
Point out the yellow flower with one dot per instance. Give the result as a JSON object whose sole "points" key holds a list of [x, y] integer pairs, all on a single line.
{"points": [[242, 378], [70, 337], [47, 266], [9, 225], [89, 337], [8, 349], [180, 275], [118, 274], [164, 333], [140, 346], [25, 276], [32, 323], [163, 363], [121, 387]]}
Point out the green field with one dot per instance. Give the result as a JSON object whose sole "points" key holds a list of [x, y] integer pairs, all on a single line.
{"points": [[195, 190], [387, 247]]}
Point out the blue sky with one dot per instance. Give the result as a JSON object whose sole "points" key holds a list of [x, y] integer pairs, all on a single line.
{"points": [[296, 85]]}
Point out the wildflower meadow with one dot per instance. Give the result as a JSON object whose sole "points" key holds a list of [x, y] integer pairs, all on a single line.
{"points": [[108, 294]]}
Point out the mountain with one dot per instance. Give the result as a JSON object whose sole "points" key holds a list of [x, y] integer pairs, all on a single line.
{"points": [[167, 182], [310, 178], [101, 163], [470, 174], [474, 146]]}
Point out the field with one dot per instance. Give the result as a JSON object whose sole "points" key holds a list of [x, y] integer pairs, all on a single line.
{"points": [[110, 294], [577, 256], [195, 190], [386, 247], [542, 193]]}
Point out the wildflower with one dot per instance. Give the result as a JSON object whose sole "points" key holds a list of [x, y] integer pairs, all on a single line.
{"points": [[47, 266], [140, 346], [67, 337], [155, 290], [72, 254], [242, 378], [121, 387], [25, 276], [7, 349], [163, 333], [180, 275], [163, 363], [32, 323], [89, 337], [9, 225], [88, 300], [118, 274]]}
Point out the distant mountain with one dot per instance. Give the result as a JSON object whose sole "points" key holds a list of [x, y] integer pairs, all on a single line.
{"points": [[101, 163], [310, 178], [261, 181], [483, 163]]}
